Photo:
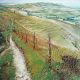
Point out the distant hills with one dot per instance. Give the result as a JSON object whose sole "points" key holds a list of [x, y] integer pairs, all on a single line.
{"points": [[3, 8], [50, 11]]}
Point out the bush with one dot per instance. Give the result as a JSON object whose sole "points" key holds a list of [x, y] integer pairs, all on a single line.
{"points": [[7, 70], [70, 61], [2, 39]]}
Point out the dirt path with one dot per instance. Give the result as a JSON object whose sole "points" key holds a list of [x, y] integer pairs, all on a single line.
{"points": [[19, 62]]}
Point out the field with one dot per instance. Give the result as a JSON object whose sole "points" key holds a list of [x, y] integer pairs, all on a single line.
{"points": [[37, 59]]}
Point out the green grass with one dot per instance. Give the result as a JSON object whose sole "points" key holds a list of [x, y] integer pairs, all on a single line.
{"points": [[7, 70]]}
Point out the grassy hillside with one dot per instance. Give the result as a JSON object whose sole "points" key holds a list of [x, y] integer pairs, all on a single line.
{"points": [[62, 34], [36, 59]]}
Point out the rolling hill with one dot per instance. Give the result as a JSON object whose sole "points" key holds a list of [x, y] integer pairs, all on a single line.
{"points": [[60, 21], [50, 11], [63, 34], [64, 37]]}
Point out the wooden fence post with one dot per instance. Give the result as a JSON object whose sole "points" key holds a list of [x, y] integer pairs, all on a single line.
{"points": [[34, 41], [22, 35], [26, 37], [50, 53]]}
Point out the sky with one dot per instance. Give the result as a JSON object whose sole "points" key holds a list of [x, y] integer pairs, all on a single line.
{"points": [[71, 3]]}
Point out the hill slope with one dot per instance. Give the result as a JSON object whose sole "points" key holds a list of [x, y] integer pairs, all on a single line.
{"points": [[50, 11]]}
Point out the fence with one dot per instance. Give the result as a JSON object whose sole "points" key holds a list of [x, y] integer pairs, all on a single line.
{"points": [[36, 42], [33, 39]]}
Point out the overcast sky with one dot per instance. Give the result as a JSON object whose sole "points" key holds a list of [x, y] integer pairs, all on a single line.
{"points": [[73, 3]]}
